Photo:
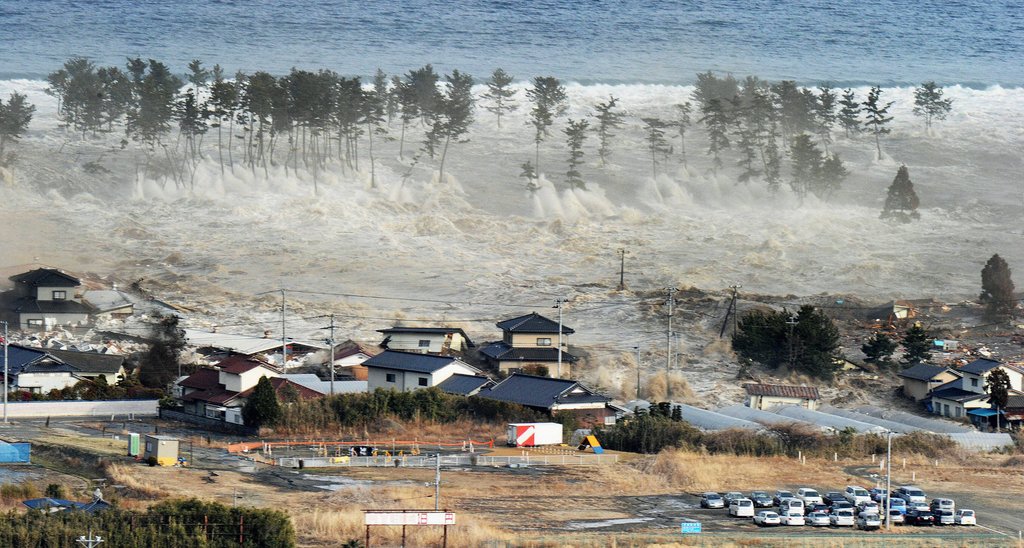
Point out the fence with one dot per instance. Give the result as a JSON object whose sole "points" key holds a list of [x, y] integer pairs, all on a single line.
{"points": [[423, 461], [15, 453], [117, 409]]}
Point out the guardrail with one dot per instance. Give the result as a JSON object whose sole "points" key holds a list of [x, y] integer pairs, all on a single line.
{"points": [[425, 461]]}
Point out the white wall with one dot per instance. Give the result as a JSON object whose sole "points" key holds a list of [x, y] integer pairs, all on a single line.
{"points": [[242, 382], [44, 382], [120, 409], [409, 380]]}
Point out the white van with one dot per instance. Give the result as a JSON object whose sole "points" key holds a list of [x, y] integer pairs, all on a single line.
{"points": [[809, 496], [741, 508], [791, 505], [855, 494]]}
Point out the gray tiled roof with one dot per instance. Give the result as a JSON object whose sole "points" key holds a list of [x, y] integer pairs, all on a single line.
{"points": [[956, 394], [409, 361], [504, 352], [23, 358], [542, 392], [533, 323], [49, 277], [921, 372], [782, 390], [464, 385], [32, 306], [980, 366]]}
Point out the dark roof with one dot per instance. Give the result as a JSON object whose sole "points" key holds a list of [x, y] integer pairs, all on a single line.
{"points": [[464, 385], [428, 331], [1014, 402], [279, 385], [504, 352], [921, 372], [48, 277], [31, 305], [240, 363], [47, 503], [782, 391], [541, 392], [533, 323], [29, 359], [956, 394], [202, 379], [409, 361], [980, 366], [90, 362]]}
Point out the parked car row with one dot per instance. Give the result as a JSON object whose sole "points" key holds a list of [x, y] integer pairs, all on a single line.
{"points": [[853, 507]]}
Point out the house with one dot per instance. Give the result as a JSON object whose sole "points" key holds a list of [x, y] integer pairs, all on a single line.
{"points": [[45, 298], [407, 371], [552, 396], [1014, 412], [920, 379], [220, 394], [109, 303], [427, 340], [211, 346], [40, 370], [958, 397], [465, 385], [529, 344], [349, 357], [765, 396]]}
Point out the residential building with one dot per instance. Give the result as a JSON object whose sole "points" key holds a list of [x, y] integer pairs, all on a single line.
{"points": [[529, 345], [553, 396], [920, 379], [765, 396], [958, 397], [426, 340], [349, 357], [407, 371], [40, 370], [209, 346], [45, 298], [465, 385]]}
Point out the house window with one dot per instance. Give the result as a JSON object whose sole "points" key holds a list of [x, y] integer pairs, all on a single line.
{"points": [[423, 381], [974, 383], [390, 377], [544, 342], [424, 343], [35, 323], [60, 295]]}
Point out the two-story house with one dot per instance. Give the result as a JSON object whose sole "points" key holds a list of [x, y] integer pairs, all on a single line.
{"points": [[959, 396], [920, 379], [426, 340], [45, 298], [408, 371], [529, 344], [40, 370]]}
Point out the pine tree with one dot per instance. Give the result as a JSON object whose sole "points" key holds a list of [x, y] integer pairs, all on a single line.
{"points": [[831, 177], [527, 172], [876, 116], [901, 202], [808, 340], [657, 145], [262, 407], [997, 386], [454, 111], [929, 104], [223, 105], [997, 290], [825, 114], [849, 112], [917, 345], [806, 165], [576, 134], [683, 111], [716, 121], [424, 90], [608, 120], [549, 100], [15, 117], [500, 94], [879, 349]]}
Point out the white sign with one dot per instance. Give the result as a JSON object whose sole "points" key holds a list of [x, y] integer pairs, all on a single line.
{"points": [[409, 518]]}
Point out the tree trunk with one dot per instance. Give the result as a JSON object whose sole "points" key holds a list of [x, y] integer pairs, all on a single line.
{"points": [[444, 153]]}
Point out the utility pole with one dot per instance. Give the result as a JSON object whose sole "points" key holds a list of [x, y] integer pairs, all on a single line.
{"points": [[888, 479], [437, 483], [284, 341], [330, 355], [90, 542], [5, 371], [735, 311], [622, 269], [791, 322], [558, 305], [671, 301], [637, 348]]}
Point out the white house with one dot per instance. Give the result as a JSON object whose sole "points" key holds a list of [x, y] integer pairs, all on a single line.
{"points": [[45, 298], [40, 370], [955, 398], [407, 371], [426, 340], [766, 396], [529, 345]]}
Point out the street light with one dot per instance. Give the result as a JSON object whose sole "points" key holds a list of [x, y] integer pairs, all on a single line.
{"points": [[5, 370]]}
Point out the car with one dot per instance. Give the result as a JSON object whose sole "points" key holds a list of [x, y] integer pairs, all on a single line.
{"points": [[712, 500], [896, 517], [841, 505], [766, 518], [855, 494], [730, 496], [791, 504], [919, 506], [761, 499], [779, 495], [868, 522], [816, 508], [964, 516], [831, 497], [910, 494], [841, 518], [917, 517], [942, 504], [808, 495], [818, 519], [741, 508], [944, 517], [792, 518], [895, 504], [869, 507], [877, 494]]}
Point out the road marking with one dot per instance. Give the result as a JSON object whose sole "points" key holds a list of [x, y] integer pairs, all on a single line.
{"points": [[995, 531]]}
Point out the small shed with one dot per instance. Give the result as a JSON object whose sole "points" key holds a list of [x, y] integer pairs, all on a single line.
{"points": [[164, 448], [765, 396]]}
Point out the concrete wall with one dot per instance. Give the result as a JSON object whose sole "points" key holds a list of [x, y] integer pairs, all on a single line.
{"points": [[118, 408]]}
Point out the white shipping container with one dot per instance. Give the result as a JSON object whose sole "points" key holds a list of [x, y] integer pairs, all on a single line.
{"points": [[532, 434]]}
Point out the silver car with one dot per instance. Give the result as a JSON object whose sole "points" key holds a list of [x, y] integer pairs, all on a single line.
{"points": [[818, 519]]}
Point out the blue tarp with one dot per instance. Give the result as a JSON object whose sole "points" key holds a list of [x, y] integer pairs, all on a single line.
{"points": [[984, 412], [15, 452]]}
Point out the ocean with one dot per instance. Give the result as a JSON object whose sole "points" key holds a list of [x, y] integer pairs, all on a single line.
{"points": [[975, 43]]}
